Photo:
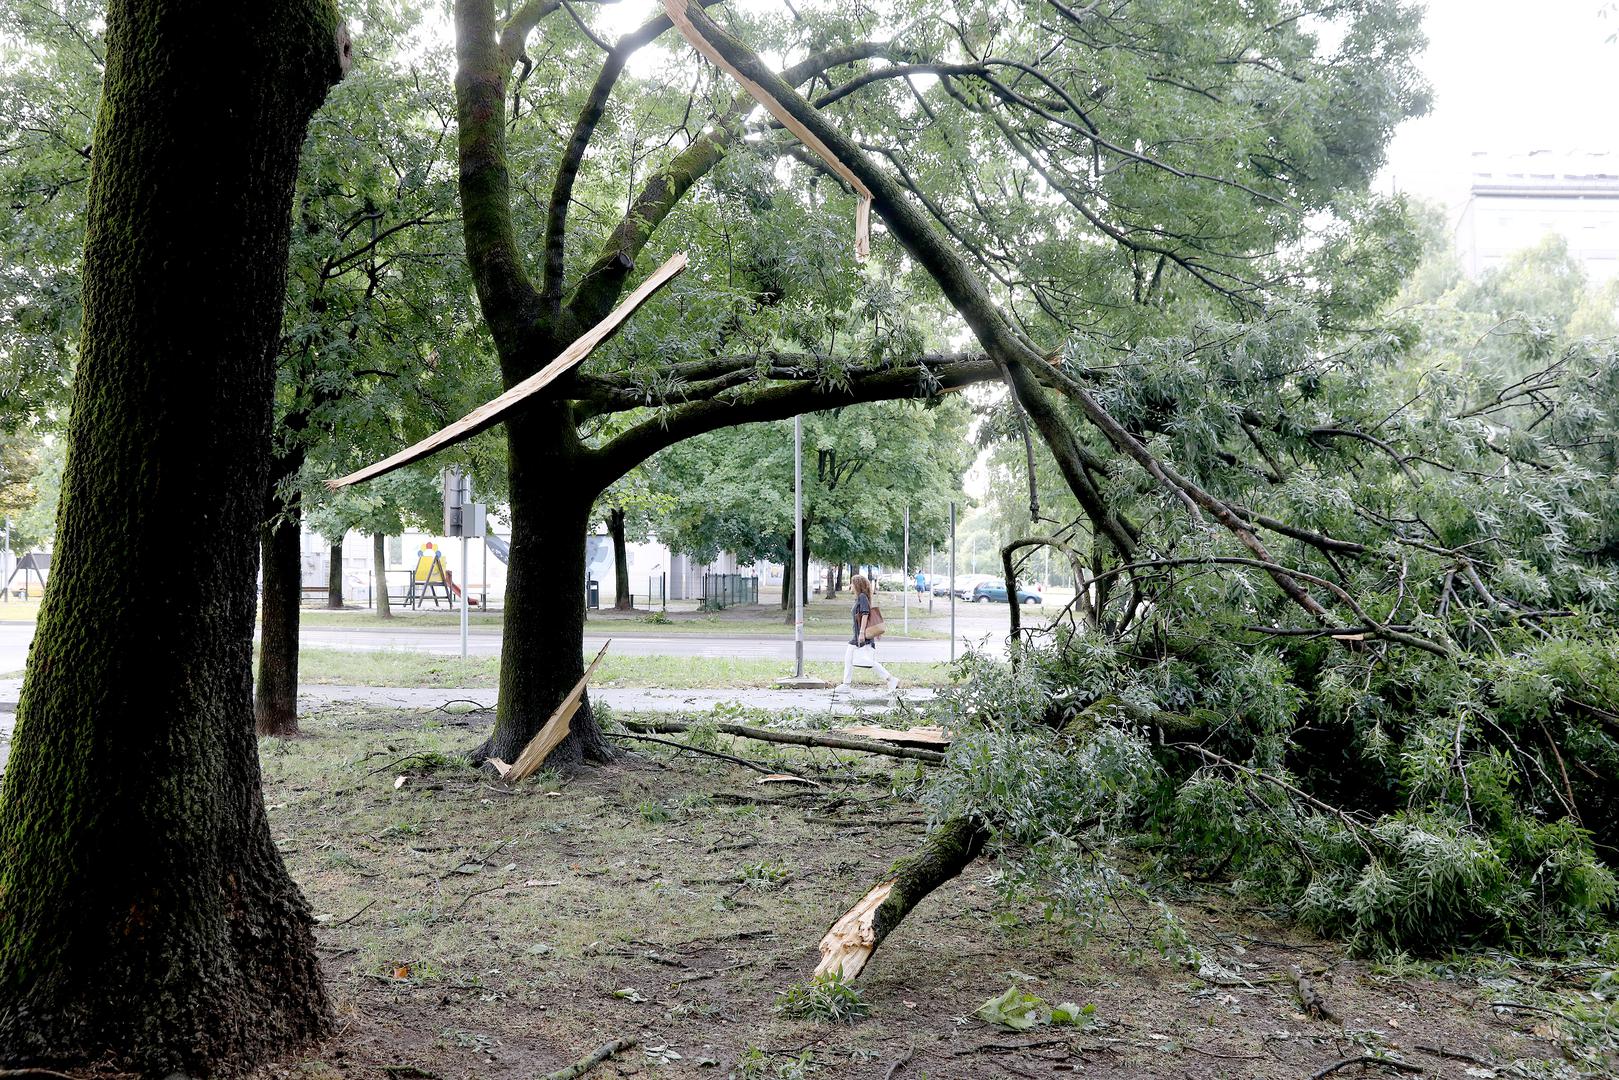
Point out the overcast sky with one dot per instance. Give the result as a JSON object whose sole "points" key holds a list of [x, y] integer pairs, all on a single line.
{"points": [[1509, 76]]}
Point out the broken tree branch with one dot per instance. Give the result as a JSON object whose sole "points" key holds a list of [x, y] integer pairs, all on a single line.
{"points": [[490, 413], [791, 738], [851, 940], [556, 728], [591, 1060]]}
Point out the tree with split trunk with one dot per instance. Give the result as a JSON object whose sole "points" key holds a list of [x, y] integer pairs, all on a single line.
{"points": [[145, 916], [1022, 100], [1042, 122], [559, 462]]}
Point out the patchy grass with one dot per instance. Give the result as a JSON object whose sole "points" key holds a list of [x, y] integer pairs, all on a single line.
{"points": [[469, 929], [412, 669], [401, 619], [822, 618]]}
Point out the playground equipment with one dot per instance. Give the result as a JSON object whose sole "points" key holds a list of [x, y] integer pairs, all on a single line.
{"points": [[35, 564], [429, 581]]}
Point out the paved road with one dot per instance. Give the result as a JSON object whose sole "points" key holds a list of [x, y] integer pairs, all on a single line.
{"points": [[974, 624]]}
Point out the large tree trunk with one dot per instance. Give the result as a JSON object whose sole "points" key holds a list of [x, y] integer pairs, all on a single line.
{"points": [[542, 646], [379, 570], [623, 599], [787, 587], [146, 919], [334, 577], [275, 691]]}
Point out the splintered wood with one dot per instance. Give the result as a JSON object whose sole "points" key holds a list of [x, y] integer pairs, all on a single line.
{"points": [[681, 18], [853, 938], [932, 738], [489, 413], [555, 730]]}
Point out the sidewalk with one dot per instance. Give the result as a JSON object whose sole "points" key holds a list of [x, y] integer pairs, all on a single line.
{"points": [[865, 699]]}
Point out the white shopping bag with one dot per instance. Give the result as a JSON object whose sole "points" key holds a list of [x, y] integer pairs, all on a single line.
{"points": [[865, 655]]}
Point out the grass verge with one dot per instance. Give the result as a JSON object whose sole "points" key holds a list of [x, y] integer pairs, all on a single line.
{"points": [[413, 669]]}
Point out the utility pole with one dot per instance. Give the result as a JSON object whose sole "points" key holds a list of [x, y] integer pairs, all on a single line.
{"points": [[952, 583], [798, 547], [905, 571]]}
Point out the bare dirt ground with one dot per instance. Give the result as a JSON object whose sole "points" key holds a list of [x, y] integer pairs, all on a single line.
{"points": [[472, 930]]}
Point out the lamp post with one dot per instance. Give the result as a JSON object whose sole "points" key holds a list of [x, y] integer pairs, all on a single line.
{"points": [[798, 547], [952, 583]]}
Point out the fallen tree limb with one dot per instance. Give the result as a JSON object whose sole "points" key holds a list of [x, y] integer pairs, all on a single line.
{"points": [[828, 740], [595, 1058], [851, 940], [928, 738], [555, 729], [1366, 1059], [490, 413]]}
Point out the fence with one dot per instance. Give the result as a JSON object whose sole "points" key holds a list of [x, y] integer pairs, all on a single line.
{"points": [[726, 590]]}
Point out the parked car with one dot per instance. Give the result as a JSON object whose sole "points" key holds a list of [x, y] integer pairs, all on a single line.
{"points": [[986, 592]]}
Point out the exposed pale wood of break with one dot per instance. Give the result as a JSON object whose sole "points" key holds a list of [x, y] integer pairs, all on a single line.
{"points": [[555, 729], [676, 10], [489, 413], [851, 940], [932, 737]]}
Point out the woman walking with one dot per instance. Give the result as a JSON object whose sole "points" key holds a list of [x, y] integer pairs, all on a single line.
{"points": [[862, 648]]}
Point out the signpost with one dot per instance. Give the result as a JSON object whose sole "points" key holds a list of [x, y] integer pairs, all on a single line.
{"points": [[466, 519]]}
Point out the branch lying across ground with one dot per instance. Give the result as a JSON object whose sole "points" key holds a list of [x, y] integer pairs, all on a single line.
{"points": [[851, 940], [827, 740], [591, 1060]]}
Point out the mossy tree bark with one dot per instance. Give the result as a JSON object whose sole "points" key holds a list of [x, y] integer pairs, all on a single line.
{"points": [[334, 577], [146, 919], [379, 573]]}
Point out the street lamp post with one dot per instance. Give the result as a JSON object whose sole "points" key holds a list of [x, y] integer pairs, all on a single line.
{"points": [[952, 583], [905, 571], [798, 547]]}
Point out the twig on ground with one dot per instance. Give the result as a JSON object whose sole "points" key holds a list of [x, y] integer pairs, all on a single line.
{"points": [[369, 904], [410, 1072], [1365, 1059], [396, 762], [595, 1058], [1453, 1055], [477, 706], [893, 1070], [1004, 1047], [699, 976], [469, 897], [744, 762]]}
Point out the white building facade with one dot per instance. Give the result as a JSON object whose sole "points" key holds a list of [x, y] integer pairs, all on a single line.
{"points": [[1517, 200]]}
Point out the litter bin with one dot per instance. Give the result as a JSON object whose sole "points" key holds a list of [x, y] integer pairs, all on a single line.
{"points": [[595, 590]]}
